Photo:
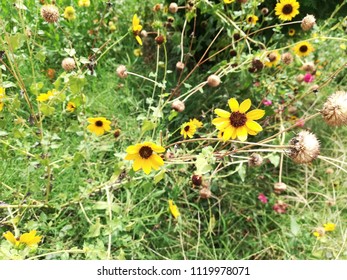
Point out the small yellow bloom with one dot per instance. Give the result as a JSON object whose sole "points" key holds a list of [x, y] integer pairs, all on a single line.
{"points": [[174, 209], [197, 123], [46, 96], [145, 156], [70, 107], [137, 29], [28, 239], [303, 48], [228, 1], [252, 19], [188, 129], [2, 98], [83, 3], [69, 13], [138, 52], [99, 125], [272, 59], [329, 227], [291, 32]]}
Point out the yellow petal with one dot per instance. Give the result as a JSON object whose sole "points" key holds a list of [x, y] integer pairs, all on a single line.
{"points": [[133, 149], [222, 113], [254, 126], [242, 133], [228, 132], [157, 160], [10, 237], [157, 148], [233, 104], [234, 135], [174, 209], [221, 123], [138, 163], [147, 166], [138, 39], [255, 114], [136, 20], [245, 105]]}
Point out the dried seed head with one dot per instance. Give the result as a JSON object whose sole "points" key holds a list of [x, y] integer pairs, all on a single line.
{"points": [[242, 1], [144, 33], [308, 22], [257, 65], [287, 58], [309, 67], [300, 78], [305, 147], [334, 110], [197, 180], [180, 66], [173, 8], [116, 133], [122, 71], [157, 7], [178, 106], [160, 39], [255, 160], [264, 11], [315, 88], [213, 80], [292, 109], [50, 13], [169, 155], [280, 187], [68, 64], [329, 170], [205, 193]]}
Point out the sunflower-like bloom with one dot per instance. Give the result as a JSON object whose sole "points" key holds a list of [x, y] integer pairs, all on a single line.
{"points": [[145, 156], [291, 32], [238, 123], [2, 97], [28, 239], [272, 59], [188, 129], [303, 48], [46, 96], [252, 19], [137, 29], [329, 227], [174, 209], [99, 125], [69, 13], [71, 106], [228, 1], [287, 9], [84, 3]]}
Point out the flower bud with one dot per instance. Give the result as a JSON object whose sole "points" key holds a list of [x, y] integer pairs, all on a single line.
{"points": [[122, 71], [178, 106], [308, 22], [180, 66], [173, 8], [213, 80], [68, 64]]}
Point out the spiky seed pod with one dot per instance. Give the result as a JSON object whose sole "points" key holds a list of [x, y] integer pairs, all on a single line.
{"points": [[255, 160], [122, 71], [180, 66], [205, 193], [178, 106], [305, 147], [287, 58], [280, 187], [68, 64], [213, 80], [308, 22], [334, 109], [50, 13], [173, 8], [197, 180], [309, 67]]}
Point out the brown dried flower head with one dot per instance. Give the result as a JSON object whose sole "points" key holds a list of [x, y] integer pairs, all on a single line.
{"points": [[334, 109], [213, 80], [309, 67], [180, 66], [197, 180], [287, 58], [122, 71], [305, 147], [300, 78], [68, 64], [255, 160], [308, 22], [205, 193], [279, 187], [178, 106], [264, 11], [173, 8], [50, 13]]}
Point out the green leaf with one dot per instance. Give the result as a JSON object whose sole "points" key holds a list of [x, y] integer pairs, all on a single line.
{"points": [[8, 84], [94, 230], [160, 176], [274, 159], [46, 109], [148, 125], [242, 171], [173, 114], [294, 226], [76, 83], [36, 87], [202, 165], [16, 41]]}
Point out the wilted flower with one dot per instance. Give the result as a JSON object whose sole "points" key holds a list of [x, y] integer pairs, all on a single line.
{"points": [[255, 160], [309, 67], [280, 207], [334, 109], [308, 22], [68, 64], [178, 105], [213, 80], [122, 71], [272, 59], [280, 187], [180, 66], [205, 193], [262, 198], [197, 180], [287, 58], [305, 147], [173, 8], [50, 13]]}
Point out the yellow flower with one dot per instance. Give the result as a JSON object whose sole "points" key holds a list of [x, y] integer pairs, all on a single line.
{"points": [[272, 59], [303, 48], [238, 123], [70, 107], [137, 29], [252, 19], [329, 227], [174, 209], [197, 123], [70, 13], [188, 129], [319, 233], [2, 97], [287, 9], [83, 3], [46, 96], [291, 32], [145, 157], [138, 52], [28, 239], [228, 1], [99, 125]]}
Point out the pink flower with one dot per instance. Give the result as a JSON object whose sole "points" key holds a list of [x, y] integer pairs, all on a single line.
{"points": [[267, 102], [300, 123], [308, 78], [280, 207], [262, 198]]}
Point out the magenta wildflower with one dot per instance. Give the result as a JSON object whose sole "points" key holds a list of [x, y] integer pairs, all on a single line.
{"points": [[308, 78], [262, 198], [267, 102], [280, 207]]}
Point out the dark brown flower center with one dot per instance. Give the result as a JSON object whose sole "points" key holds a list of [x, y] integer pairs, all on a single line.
{"points": [[186, 128], [250, 19], [99, 123], [237, 119], [145, 152], [303, 49], [272, 57], [287, 9]]}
